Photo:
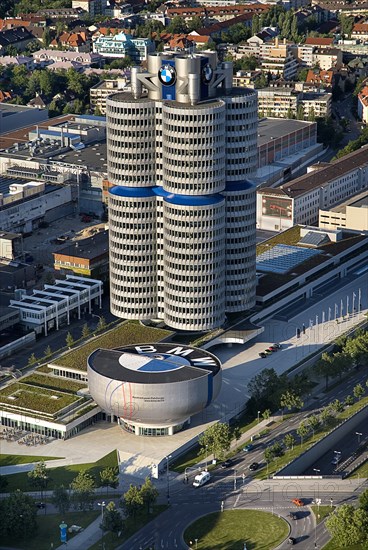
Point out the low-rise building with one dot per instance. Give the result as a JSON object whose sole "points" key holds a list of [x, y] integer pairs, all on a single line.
{"points": [[360, 31], [88, 257], [352, 214], [363, 105], [324, 186], [13, 117], [319, 42], [46, 57], [100, 91], [328, 58], [284, 102], [11, 246], [18, 38], [56, 304], [124, 45]]}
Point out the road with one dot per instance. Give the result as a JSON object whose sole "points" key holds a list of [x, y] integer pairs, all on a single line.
{"points": [[166, 531]]}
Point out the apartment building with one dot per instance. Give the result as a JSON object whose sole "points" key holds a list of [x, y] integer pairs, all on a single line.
{"points": [[277, 102], [363, 105], [124, 45], [100, 91], [327, 58], [320, 104], [324, 186]]}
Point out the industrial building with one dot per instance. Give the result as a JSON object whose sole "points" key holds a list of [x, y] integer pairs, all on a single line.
{"points": [[324, 186], [56, 304], [352, 214], [181, 207]]}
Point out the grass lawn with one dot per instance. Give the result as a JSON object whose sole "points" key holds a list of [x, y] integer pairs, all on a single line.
{"points": [[48, 530], [332, 545], [63, 475], [322, 512], [229, 530], [362, 471], [12, 460], [131, 526]]}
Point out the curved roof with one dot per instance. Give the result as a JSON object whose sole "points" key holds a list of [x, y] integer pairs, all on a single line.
{"points": [[133, 364]]}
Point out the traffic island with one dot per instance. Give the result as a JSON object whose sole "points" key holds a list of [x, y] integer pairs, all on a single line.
{"points": [[237, 530]]}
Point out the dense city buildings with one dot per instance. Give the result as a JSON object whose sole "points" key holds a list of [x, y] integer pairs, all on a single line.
{"points": [[182, 224]]}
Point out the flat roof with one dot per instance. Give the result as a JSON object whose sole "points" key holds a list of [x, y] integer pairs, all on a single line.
{"points": [[359, 201], [306, 183], [269, 128], [89, 248], [22, 135], [94, 156]]}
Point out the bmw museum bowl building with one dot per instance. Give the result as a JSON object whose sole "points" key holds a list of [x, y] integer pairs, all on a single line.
{"points": [[154, 389]]}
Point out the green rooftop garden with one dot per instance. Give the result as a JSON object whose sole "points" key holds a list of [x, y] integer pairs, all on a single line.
{"points": [[130, 332], [53, 383], [290, 237], [32, 398]]}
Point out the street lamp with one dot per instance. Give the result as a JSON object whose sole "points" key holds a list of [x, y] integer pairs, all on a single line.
{"points": [[102, 504], [167, 477], [359, 434], [206, 457], [316, 470], [258, 413], [331, 501], [196, 541], [234, 480]]}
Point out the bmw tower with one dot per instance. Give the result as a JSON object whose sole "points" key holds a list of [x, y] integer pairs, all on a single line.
{"points": [[182, 150]]}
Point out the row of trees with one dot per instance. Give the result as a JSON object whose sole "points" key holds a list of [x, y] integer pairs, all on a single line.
{"points": [[69, 340], [349, 524], [350, 353]]}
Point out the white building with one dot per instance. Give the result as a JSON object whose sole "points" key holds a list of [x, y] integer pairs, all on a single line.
{"points": [[324, 186], [124, 45], [182, 225], [54, 306]]}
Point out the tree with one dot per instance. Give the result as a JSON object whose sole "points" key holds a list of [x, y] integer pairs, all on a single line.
{"points": [[326, 416], [46, 37], [38, 477], [69, 340], [194, 24], [255, 25], [132, 501], [18, 516], [311, 114], [112, 519], [47, 352], [3, 483], [83, 485], [290, 400], [336, 406], [61, 499], [177, 25], [266, 414], [363, 500], [302, 431], [85, 331], [324, 367], [110, 478], [358, 391], [346, 25], [32, 359], [217, 438], [149, 493], [348, 525], [266, 389], [269, 454], [314, 422], [300, 112], [349, 400], [101, 323], [289, 441]]}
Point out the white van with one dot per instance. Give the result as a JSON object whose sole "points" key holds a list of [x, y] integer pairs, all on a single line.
{"points": [[201, 479]]}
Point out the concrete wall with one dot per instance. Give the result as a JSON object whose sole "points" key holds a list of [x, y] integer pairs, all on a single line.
{"points": [[10, 348], [300, 464]]}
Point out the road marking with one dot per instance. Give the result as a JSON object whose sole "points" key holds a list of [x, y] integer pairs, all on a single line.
{"points": [[236, 501]]}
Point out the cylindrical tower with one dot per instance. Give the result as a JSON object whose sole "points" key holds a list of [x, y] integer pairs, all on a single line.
{"points": [[193, 148], [194, 258]]}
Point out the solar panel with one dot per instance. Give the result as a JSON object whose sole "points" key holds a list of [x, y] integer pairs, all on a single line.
{"points": [[282, 258], [314, 238]]}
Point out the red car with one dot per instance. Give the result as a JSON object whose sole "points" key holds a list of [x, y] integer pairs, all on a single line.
{"points": [[298, 502]]}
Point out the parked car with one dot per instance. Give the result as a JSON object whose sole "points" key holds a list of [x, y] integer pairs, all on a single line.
{"points": [[335, 460], [298, 502], [201, 479], [40, 505], [227, 463], [254, 466], [278, 346], [248, 448], [272, 348], [294, 515], [263, 354], [291, 540], [267, 352]]}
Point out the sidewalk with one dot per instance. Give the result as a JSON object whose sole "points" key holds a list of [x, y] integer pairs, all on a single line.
{"points": [[89, 536]]}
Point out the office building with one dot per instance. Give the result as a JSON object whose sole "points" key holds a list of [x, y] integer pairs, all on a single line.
{"points": [[181, 207]]}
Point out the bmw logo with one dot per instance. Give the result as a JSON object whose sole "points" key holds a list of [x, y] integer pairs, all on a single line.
{"points": [[207, 73], [167, 75]]}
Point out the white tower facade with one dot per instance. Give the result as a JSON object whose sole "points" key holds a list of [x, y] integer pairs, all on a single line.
{"points": [[182, 149]]}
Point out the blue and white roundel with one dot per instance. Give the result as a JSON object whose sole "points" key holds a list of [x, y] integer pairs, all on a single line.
{"points": [[167, 75], [207, 73], [152, 362]]}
